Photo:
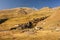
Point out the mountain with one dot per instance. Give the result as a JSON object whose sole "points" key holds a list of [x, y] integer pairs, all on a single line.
{"points": [[26, 18], [30, 24]]}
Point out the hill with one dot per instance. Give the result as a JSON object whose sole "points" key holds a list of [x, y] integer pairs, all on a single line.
{"points": [[30, 24]]}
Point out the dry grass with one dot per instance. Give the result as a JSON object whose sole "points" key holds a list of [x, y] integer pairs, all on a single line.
{"points": [[16, 16], [40, 35]]}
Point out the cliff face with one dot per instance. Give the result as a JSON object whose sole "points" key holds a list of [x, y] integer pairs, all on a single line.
{"points": [[19, 23]]}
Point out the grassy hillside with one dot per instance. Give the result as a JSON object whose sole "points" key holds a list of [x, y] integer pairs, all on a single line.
{"points": [[53, 22], [30, 24]]}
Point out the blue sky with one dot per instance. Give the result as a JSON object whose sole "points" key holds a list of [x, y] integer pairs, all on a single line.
{"points": [[5, 4]]}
